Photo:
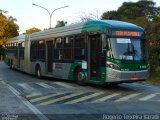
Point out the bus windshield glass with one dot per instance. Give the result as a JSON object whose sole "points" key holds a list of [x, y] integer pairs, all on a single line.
{"points": [[127, 49]]}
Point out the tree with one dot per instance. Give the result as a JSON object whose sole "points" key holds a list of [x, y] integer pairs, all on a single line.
{"points": [[60, 24], [130, 10], [84, 16], [32, 30], [8, 28], [13, 27], [88, 16], [111, 15]]}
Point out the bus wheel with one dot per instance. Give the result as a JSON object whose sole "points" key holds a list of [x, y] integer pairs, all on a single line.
{"points": [[38, 72], [80, 77]]}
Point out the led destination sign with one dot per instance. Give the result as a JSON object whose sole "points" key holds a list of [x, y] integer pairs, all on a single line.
{"points": [[127, 33]]}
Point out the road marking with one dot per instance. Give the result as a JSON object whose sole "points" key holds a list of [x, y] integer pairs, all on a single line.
{"points": [[144, 85], [43, 97], [106, 97], [33, 94], [84, 98], [45, 85], [127, 97], [28, 104], [148, 97], [63, 84], [58, 99], [26, 86]]}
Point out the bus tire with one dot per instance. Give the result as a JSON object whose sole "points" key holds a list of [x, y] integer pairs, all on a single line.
{"points": [[38, 72], [80, 77]]}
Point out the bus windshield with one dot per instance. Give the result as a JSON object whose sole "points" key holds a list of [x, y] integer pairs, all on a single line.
{"points": [[127, 49]]}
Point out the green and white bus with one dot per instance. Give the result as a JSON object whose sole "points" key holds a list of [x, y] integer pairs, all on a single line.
{"points": [[101, 51]]}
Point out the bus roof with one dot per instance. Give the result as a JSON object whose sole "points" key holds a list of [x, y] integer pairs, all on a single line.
{"points": [[89, 26], [19, 38], [110, 24]]}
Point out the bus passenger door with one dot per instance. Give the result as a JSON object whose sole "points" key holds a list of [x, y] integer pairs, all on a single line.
{"points": [[94, 55], [49, 56]]}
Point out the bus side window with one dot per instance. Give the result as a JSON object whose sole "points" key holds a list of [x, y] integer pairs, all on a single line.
{"points": [[67, 51], [21, 50], [58, 49], [41, 50], [33, 52], [79, 47]]}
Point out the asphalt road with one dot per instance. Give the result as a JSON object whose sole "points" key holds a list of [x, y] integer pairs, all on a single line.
{"points": [[58, 99]]}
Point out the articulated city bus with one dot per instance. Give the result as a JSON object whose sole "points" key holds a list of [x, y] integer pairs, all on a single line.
{"points": [[103, 51]]}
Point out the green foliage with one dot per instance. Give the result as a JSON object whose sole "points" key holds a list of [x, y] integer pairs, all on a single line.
{"points": [[142, 8], [47, 28], [32, 30], [145, 14], [8, 28], [111, 15], [60, 24]]}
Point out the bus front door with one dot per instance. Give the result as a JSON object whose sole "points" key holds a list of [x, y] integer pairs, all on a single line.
{"points": [[49, 58], [94, 56]]}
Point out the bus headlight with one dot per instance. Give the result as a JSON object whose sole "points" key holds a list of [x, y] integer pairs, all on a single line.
{"points": [[113, 66]]}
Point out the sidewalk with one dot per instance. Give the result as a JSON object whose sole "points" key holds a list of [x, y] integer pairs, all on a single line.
{"points": [[11, 107]]}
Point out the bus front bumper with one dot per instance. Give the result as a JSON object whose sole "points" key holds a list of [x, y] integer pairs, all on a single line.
{"points": [[125, 76]]}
